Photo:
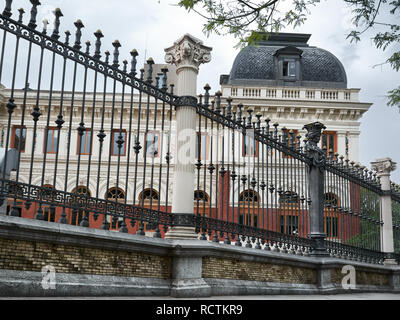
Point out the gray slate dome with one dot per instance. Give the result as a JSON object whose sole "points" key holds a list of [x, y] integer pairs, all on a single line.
{"points": [[260, 64]]}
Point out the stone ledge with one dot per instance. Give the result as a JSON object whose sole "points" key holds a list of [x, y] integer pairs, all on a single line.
{"points": [[28, 283]]}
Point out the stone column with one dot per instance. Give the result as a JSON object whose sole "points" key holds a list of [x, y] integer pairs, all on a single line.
{"points": [[186, 54], [316, 185], [353, 146], [341, 143], [383, 167]]}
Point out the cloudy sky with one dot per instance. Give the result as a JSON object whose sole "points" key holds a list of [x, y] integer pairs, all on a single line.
{"points": [[152, 25]]}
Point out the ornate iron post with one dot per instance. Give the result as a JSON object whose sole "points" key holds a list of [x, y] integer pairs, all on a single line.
{"points": [[187, 54], [383, 167], [316, 169]]}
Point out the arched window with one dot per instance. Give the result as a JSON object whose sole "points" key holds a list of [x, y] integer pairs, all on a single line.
{"points": [[201, 203], [115, 193], [77, 215], [331, 200], [248, 196], [148, 194], [82, 190], [288, 197], [248, 208], [201, 196]]}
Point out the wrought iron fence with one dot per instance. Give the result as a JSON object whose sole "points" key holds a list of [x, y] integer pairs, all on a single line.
{"points": [[254, 175], [395, 195], [91, 138], [86, 138], [352, 210]]}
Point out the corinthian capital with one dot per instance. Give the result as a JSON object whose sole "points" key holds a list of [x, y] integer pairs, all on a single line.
{"points": [[383, 166], [188, 51]]}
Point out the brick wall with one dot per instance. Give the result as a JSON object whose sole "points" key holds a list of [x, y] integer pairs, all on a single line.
{"points": [[32, 256], [244, 270]]}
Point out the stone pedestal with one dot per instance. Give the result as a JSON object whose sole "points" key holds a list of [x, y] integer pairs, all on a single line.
{"points": [[179, 232]]}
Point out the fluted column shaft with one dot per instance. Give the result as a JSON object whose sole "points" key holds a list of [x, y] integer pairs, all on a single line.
{"points": [[187, 54]]}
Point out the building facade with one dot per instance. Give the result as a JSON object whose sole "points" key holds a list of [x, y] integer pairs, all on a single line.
{"points": [[120, 145]]}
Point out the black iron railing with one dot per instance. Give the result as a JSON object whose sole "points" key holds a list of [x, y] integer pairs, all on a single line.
{"points": [[395, 195], [84, 129], [87, 142]]}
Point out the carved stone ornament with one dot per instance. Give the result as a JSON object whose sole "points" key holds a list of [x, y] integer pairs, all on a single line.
{"points": [[313, 152], [188, 51], [383, 166]]}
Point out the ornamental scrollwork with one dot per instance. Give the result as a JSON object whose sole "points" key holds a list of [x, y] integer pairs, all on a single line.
{"points": [[311, 150], [188, 51]]}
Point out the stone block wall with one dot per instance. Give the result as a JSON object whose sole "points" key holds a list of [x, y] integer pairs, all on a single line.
{"points": [[93, 262], [234, 269], [32, 256]]}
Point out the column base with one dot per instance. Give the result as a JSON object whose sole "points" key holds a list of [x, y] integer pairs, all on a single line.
{"points": [[190, 288], [390, 262], [319, 250], [179, 233]]}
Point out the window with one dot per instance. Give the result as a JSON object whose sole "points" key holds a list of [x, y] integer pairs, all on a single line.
{"points": [[248, 203], [112, 195], [200, 195], [331, 227], [289, 138], [201, 203], [115, 193], [250, 146], [288, 197], [148, 194], [49, 214], [82, 190], [248, 195], [118, 136], [76, 217], [329, 142], [289, 224], [331, 200], [152, 144], [52, 140], [289, 69], [18, 138], [203, 139], [85, 145]]}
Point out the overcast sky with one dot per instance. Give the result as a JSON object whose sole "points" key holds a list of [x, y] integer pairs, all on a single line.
{"points": [[152, 25]]}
